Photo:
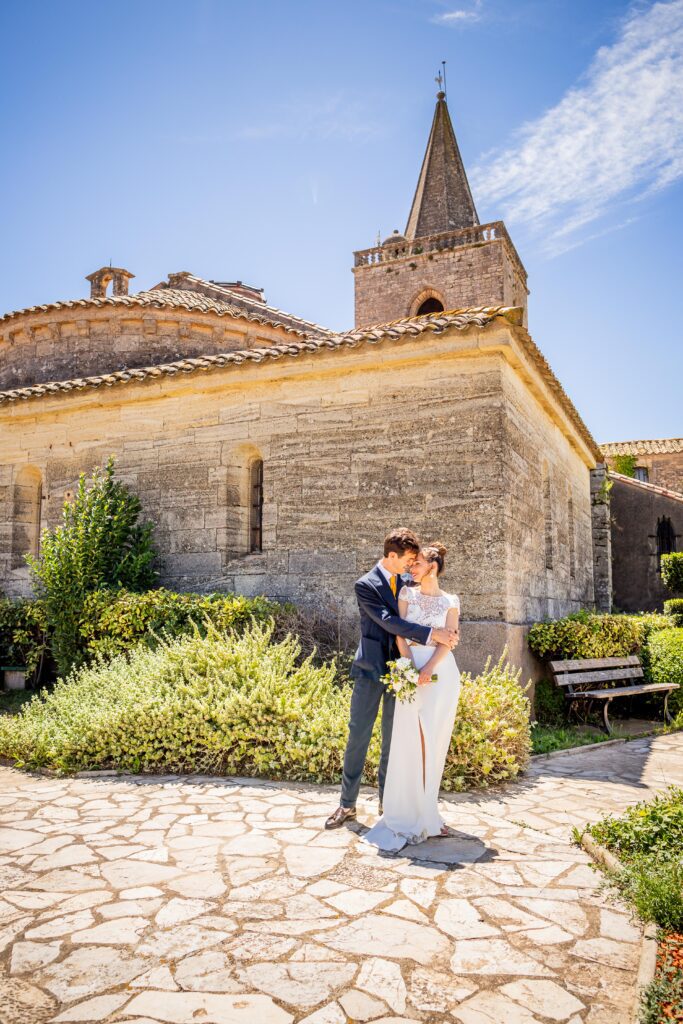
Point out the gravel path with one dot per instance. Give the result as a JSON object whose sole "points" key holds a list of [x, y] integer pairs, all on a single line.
{"points": [[175, 900]]}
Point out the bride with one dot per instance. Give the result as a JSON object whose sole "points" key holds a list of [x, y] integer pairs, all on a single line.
{"points": [[422, 729]]}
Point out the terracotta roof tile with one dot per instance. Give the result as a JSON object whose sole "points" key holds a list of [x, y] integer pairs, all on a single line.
{"points": [[661, 446], [435, 323], [192, 301]]}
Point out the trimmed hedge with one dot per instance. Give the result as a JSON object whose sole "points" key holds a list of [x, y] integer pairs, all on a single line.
{"points": [[588, 635], [116, 621], [241, 704], [674, 608], [665, 650], [672, 571]]}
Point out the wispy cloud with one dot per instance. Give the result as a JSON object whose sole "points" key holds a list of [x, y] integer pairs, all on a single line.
{"points": [[332, 117], [459, 16], [613, 139]]}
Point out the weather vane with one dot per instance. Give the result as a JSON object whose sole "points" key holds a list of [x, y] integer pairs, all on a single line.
{"points": [[441, 78]]}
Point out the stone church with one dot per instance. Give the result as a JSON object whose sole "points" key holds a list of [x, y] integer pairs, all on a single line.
{"points": [[273, 454]]}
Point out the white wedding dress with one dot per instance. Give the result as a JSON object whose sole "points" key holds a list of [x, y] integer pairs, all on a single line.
{"points": [[411, 812]]}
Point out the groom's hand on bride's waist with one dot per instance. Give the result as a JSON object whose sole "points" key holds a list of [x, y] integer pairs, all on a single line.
{"points": [[449, 637]]}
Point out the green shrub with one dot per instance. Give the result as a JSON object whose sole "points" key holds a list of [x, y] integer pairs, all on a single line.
{"points": [[649, 827], [665, 660], [654, 885], [242, 705], [491, 740], [550, 705], [100, 545], [115, 621], [666, 988], [23, 634], [588, 635], [674, 609], [672, 571]]}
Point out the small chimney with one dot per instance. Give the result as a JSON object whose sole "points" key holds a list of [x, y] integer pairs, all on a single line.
{"points": [[99, 281]]}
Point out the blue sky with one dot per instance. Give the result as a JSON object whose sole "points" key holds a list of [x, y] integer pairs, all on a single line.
{"points": [[267, 141]]}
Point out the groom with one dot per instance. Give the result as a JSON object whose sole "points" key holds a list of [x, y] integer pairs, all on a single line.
{"points": [[377, 594]]}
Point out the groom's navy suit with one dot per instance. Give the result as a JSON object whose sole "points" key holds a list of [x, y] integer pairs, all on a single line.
{"points": [[380, 624]]}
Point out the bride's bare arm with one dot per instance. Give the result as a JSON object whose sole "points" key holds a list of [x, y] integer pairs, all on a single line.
{"points": [[401, 642], [441, 650]]}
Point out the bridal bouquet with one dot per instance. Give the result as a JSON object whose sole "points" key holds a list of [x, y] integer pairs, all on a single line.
{"points": [[401, 679]]}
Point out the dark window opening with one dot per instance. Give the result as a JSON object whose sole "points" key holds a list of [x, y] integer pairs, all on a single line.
{"points": [[666, 539], [640, 473], [430, 306], [256, 510]]}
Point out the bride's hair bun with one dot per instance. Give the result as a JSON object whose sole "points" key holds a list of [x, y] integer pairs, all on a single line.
{"points": [[436, 552]]}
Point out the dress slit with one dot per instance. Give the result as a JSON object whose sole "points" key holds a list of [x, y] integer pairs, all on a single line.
{"points": [[422, 742]]}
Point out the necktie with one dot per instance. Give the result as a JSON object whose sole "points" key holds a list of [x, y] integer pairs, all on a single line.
{"points": [[392, 584]]}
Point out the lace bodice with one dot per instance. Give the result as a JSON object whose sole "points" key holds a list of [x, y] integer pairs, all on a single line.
{"points": [[425, 609]]}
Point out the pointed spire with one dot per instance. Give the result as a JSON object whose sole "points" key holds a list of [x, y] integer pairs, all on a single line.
{"points": [[443, 201]]}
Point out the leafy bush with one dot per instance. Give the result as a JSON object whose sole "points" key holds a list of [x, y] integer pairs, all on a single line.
{"points": [[115, 621], [648, 839], [665, 660], [674, 609], [587, 635], [241, 704], [550, 706], [491, 740], [23, 634], [672, 571], [99, 545], [654, 885], [666, 988], [651, 826]]}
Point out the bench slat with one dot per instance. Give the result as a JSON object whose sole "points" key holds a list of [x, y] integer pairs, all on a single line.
{"points": [[589, 664], [579, 678], [621, 691]]}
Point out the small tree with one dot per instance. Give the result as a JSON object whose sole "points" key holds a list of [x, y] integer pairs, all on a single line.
{"points": [[99, 546], [672, 572]]}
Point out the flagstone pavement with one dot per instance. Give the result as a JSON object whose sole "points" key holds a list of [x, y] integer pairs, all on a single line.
{"points": [[195, 900]]}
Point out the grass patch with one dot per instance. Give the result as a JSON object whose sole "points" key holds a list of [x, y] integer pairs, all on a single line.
{"points": [[546, 738]]}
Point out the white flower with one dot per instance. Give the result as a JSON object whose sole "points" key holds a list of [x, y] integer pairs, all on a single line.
{"points": [[403, 663]]}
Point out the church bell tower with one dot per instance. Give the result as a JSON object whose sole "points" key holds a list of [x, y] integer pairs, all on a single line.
{"points": [[445, 259]]}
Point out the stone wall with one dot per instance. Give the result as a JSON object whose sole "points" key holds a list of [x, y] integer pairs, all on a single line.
{"points": [[663, 469], [635, 514], [49, 346], [427, 432], [602, 538], [549, 530], [485, 274]]}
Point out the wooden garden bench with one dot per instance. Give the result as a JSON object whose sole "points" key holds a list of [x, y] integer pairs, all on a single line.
{"points": [[594, 679]]}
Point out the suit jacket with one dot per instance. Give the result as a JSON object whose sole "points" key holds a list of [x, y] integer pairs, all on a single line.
{"points": [[380, 624]]}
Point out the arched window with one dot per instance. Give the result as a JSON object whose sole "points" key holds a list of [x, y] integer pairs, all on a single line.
{"points": [[666, 539], [427, 300], [430, 305], [26, 506], [256, 507]]}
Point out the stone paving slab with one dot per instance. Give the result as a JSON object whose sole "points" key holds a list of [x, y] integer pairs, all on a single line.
{"points": [[176, 900]]}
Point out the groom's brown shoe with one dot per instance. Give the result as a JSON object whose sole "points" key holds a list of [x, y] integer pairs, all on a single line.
{"points": [[340, 816]]}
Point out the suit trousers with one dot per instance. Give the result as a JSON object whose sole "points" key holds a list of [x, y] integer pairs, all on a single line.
{"points": [[365, 700]]}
